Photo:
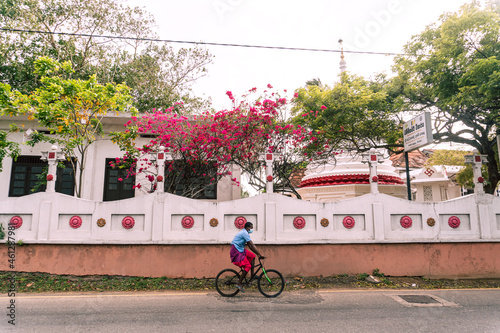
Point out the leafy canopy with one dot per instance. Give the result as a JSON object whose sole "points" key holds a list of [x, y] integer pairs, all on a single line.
{"points": [[355, 114], [453, 70], [158, 75], [70, 109]]}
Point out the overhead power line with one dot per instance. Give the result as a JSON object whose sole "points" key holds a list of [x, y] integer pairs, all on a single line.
{"points": [[197, 43]]}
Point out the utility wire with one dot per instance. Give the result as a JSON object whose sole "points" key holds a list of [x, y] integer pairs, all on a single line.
{"points": [[197, 43]]}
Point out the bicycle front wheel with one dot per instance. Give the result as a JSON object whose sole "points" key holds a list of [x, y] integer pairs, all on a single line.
{"points": [[226, 281], [271, 283]]}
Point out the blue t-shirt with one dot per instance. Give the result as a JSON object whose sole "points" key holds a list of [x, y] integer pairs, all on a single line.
{"points": [[240, 240]]}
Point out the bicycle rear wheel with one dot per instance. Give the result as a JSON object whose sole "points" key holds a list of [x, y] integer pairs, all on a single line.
{"points": [[271, 285], [226, 281]]}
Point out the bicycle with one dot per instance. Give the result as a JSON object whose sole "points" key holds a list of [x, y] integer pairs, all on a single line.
{"points": [[270, 283]]}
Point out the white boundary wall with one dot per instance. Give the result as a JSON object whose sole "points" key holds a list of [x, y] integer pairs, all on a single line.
{"points": [[158, 219]]}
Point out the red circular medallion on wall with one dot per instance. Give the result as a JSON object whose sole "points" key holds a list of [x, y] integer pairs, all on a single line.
{"points": [[454, 222], [375, 179], [269, 178], [187, 222], [16, 221], [406, 222], [128, 222], [349, 222], [299, 222], [50, 177], [239, 222], [75, 222]]}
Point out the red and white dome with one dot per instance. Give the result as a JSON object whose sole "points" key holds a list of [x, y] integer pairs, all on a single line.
{"points": [[349, 170]]}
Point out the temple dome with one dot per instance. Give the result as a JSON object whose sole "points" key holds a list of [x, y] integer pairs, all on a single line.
{"points": [[348, 170], [347, 178]]}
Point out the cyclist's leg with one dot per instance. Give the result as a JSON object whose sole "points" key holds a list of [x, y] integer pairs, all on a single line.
{"points": [[251, 259], [245, 265]]}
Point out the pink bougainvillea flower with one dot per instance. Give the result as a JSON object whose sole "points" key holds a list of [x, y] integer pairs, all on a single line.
{"points": [[120, 179], [269, 86], [296, 95], [323, 107], [220, 136]]}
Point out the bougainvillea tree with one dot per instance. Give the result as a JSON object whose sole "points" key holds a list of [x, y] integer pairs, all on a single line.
{"points": [[206, 147]]}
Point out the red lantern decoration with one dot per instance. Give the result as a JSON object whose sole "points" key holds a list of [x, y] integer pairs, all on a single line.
{"points": [[480, 179], [50, 177], [374, 179], [269, 178], [406, 222], [187, 222], [239, 222], [75, 222], [16, 222], [348, 222], [128, 222], [299, 222], [159, 178], [454, 222]]}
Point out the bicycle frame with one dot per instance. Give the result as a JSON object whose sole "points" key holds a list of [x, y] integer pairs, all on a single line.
{"points": [[257, 269]]}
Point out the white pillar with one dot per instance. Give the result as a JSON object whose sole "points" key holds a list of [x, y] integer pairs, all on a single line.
{"points": [[52, 157], [269, 175], [498, 147], [477, 162], [161, 157], [372, 158], [269, 159]]}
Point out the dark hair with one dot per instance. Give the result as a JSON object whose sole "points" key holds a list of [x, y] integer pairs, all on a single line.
{"points": [[248, 224]]}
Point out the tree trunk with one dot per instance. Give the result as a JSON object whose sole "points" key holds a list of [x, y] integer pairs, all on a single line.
{"points": [[493, 176]]}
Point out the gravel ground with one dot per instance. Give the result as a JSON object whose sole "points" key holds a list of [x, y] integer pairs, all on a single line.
{"points": [[41, 282]]}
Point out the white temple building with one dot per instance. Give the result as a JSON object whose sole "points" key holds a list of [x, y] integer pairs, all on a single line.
{"points": [[348, 178], [434, 184]]}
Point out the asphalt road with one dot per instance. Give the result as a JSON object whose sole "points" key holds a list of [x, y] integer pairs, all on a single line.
{"points": [[308, 311]]}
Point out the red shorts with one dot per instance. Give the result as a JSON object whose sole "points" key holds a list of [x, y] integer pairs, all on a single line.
{"points": [[246, 262]]}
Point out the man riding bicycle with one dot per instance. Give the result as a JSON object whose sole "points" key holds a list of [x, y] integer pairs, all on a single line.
{"points": [[242, 257]]}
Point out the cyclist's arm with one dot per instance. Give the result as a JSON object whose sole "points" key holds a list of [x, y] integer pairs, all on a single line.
{"points": [[252, 247]]}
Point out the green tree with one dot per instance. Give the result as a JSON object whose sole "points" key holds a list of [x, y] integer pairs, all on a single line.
{"points": [[71, 109], [453, 70], [454, 157], [7, 147], [157, 75], [448, 157], [355, 114]]}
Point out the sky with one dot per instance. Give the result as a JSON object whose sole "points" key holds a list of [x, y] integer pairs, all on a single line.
{"points": [[383, 26], [364, 25]]}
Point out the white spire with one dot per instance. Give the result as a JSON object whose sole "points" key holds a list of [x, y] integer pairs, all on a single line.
{"points": [[343, 65]]}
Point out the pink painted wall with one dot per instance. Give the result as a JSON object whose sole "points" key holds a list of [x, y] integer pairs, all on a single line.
{"points": [[447, 260]]}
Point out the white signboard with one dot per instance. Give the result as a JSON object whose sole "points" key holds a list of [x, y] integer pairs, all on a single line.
{"points": [[417, 132]]}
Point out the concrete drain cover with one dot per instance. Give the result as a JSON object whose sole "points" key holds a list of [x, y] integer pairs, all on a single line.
{"points": [[421, 301]]}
